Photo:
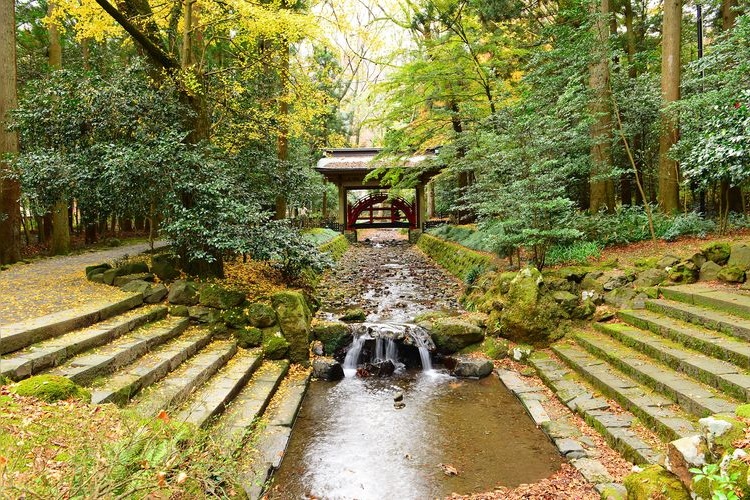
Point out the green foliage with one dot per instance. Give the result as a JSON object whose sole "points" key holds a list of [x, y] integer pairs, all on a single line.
{"points": [[689, 224], [319, 235], [721, 484], [51, 388], [578, 252]]}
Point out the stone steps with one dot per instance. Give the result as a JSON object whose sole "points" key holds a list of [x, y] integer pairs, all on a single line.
{"points": [[83, 369], [16, 336], [694, 397], [48, 353], [708, 318], [713, 298], [722, 375], [702, 339], [175, 388], [251, 402], [654, 410], [121, 386], [617, 427], [211, 398], [271, 443]]}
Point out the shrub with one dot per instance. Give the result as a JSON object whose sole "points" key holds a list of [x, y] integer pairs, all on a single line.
{"points": [[575, 253], [689, 224]]}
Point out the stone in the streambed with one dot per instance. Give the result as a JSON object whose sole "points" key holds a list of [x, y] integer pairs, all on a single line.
{"points": [[399, 396], [472, 367], [294, 320], [356, 315], [327, 369], [452, 334], [183, 293], [380, 368], [333, 334], [530, 315], [655, 482]]}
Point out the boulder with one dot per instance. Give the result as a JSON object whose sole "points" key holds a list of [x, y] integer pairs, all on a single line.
{"points": [[383, 368], [698, 259], [327, 369], [97, 269], [236, 317], [566, 300], [667, 261], [684, 454], [473, 367], [355, 315], [650, 277], [261, 315], [275, 346], [683, 272], [181, 311], [109, 276], [316, 348], [521, 352], [452, 334], [529, 314], [203, 314], [136, 286], [165, 266], [731, 274], [220, 297], [717, 253], [294, 320], [740, 256], [709, 271], [604, 313], [654, 482], [124, 280], [132, 268], [613, 279], [584, 310], [183, 292], [620, 297], [248, 337], [97, 278], [720, 432], [51, 388], [333, 334]]}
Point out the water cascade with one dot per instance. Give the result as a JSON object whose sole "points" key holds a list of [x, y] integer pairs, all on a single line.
{"points": [[385, 338]]}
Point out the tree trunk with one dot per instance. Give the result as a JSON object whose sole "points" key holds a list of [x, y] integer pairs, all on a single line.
{"points": [[669, 191], [728, 13], [602, 192], [10, 190], [283, 139], [734, 193]]}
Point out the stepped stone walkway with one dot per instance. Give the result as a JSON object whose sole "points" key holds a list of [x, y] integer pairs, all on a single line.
{"points": [[137, 356], [57, 283], [656, 371]]}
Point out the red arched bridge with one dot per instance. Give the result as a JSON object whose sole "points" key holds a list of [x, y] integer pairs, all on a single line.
{"points": [[380, 210]]}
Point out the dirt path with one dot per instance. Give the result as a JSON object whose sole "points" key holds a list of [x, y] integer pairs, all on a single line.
{"points": [[57, 283], [388, 278]]}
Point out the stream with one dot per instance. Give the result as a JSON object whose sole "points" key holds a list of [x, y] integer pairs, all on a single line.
{"points": [[356, 438]]}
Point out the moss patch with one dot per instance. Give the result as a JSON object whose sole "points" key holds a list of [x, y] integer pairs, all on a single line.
{"points": [[655, 483], [51, 388], [248, 337], [336, 247], [457, 259]]}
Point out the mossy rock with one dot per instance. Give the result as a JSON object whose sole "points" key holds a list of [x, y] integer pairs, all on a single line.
{"points": [[261, 315], [220, 297], [275, 347], [530, 315], [741, 469], [743, 411], [132, 268], [236, 317], [646, 263], [333, 334], [683, 273], [248, 337], [165, 266], [720, 431], [492, 347], [718, 252], [453, 334], [731, 274], [51, 388], [294, 319], [179, 310], [430, 316], [97, 269], [355, 315], [655, 483]]}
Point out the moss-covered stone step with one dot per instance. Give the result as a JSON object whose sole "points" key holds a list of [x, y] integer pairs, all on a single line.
{"points": [[83, 369], [654, 410], [175, 388], [119, 387], [706, 341], [51, 352], [615, 427], [714, 298], [250, 403], [694, 397], [15, 336], [709, 318], [211, 399], [271, 444]]}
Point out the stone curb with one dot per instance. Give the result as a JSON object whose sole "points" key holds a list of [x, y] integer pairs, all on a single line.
{"points": [[561, 432]]}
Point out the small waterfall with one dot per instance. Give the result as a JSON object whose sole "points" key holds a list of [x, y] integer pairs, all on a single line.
{"points": [[352, 356], [384, 338], [391, 351], [379, 349], [424, 354]]}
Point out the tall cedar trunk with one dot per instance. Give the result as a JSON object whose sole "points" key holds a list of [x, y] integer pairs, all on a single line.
{"points": [[283, 138], [10, 190], [669, 190], [628, 178], [60, 243], [602, 192], [731, 195]]}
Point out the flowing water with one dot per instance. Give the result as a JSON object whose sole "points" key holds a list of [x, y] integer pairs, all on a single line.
{"points": [[356, 438]]}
